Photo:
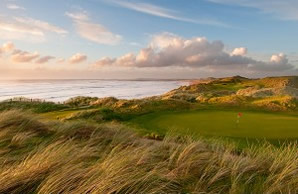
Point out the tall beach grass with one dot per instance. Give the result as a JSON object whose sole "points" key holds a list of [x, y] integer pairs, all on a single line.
{"points": [[77, 157]]}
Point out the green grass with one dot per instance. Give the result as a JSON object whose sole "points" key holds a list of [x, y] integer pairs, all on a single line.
{"points": [[222, 123]]}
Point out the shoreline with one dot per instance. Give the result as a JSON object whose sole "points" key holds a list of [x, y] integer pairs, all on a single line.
{"points": [[31, 90]]}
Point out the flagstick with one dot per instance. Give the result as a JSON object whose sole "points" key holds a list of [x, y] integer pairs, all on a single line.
{"points": [[238, 120], [237, 123]]}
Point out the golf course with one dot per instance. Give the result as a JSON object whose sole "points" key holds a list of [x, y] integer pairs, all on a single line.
{"points": [[249, 124], [227, 135]]}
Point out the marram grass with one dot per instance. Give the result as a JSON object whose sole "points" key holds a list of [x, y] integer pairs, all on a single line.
{"points": [[76, 157]]}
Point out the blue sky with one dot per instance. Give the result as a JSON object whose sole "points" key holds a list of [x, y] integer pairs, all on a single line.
{"points": [[70, 36]]}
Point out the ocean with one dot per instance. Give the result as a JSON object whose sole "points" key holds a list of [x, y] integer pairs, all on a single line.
{"points": [[62, 90]]}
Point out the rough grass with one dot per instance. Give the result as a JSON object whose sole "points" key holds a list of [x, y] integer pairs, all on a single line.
{"points": [[37, 107], [273, 94], [75, 157]]}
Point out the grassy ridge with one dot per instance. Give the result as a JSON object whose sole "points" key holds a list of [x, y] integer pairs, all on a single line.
{"points": [[273, 93], [76, 157]]}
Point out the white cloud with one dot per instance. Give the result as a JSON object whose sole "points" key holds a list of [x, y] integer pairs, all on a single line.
{"points": [[77, 58], [14, 7], [166, 40], [24, 56], [97, 33], [284, 9], [61, 60], [6, 47], [12, 26], [127, 60], [279, 58], [93, 31], [20, 56], [44, 59], [169, 50], [27, 29], [239, 51], [163, 12], [278, 63], [105, 61], [82, 16], [42, 25]]}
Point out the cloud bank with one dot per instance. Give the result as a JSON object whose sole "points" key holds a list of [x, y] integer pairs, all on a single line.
{"points": [[169, 50], [20, 56], [167, 55]]}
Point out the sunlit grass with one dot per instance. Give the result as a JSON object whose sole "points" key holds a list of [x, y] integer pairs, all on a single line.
{"points": [[76, 157]]}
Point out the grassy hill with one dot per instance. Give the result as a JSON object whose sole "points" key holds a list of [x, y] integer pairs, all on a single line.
{"points": [[273, 93], [189, 140]]}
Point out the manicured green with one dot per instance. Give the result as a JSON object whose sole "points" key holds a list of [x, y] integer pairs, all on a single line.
{"points": [[222, 123]]}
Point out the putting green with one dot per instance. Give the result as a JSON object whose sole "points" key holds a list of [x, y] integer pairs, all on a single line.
{"points": [[223, 123]]}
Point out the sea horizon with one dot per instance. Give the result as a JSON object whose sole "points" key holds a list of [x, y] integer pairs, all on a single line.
{"points": [[60, 90]]}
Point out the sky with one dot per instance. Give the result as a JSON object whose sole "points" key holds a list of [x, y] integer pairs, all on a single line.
{"points": [[162, 39]]}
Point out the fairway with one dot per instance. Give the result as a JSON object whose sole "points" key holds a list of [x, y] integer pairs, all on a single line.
{"points": [[223, 123]]}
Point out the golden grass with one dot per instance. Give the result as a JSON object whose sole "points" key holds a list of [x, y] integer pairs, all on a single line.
{"points": [[76, 157]]}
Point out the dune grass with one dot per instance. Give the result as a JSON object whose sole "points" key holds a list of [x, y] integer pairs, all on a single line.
{"points": [[76, 157], [35, 106]]}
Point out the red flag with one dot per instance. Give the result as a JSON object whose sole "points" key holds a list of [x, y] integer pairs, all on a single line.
{"points": [[239, 114]]}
